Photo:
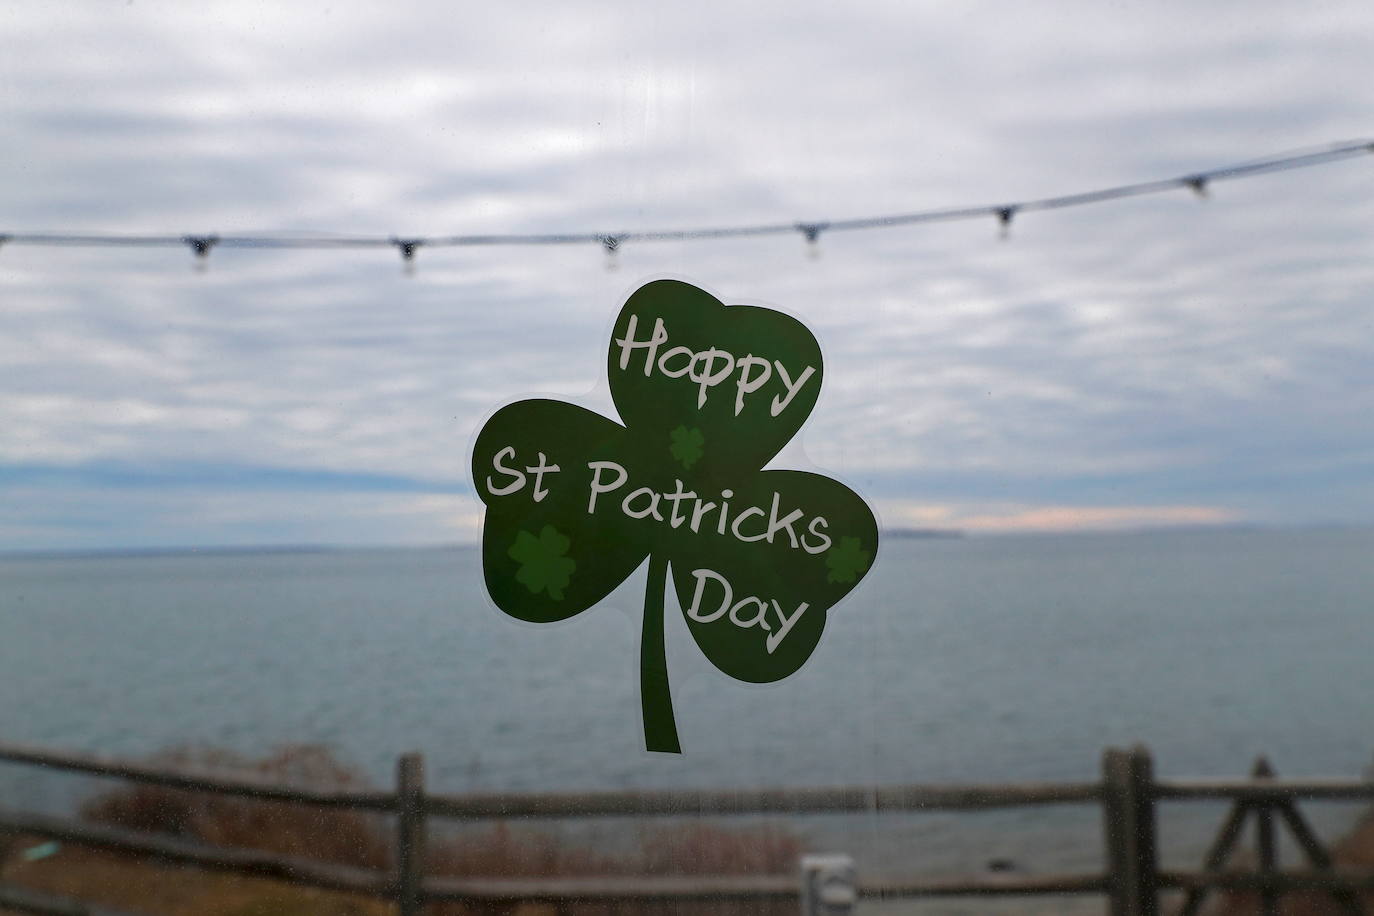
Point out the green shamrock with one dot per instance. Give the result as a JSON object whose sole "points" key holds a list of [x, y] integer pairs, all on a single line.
{"points": [[757, 557], [846, 562], [543, 566], [687, 445]]}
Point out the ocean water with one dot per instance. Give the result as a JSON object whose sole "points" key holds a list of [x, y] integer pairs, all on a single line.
{"points": [[962, 660]]}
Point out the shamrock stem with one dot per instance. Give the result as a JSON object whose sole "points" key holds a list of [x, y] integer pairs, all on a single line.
{"points": [[660, 728]]}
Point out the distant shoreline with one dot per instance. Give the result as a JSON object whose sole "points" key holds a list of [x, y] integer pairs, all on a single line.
{"points": [[898, 534], [923, 533], [97, 553]]}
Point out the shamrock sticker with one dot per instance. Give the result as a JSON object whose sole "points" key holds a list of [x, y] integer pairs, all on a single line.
{"points": [[846, 562], [542, 564], [687, 445], [707, 395]]}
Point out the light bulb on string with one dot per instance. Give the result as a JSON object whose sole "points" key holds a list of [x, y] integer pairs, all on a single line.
{"points": [[812, 233], [200, 246], [1004, 218], [407, 247], [611, 244]]}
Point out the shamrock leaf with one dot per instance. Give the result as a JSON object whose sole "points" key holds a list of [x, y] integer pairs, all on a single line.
{"points": [[757, 557], [602, 547], [747, 377], [686, 446], [542, 564], [761, 615], [846, 562]]}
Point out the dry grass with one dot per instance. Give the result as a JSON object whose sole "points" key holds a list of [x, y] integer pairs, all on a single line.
{"points": [[345, 837], [164, 890], [364, 840]]}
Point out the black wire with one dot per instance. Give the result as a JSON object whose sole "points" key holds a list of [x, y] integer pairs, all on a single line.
{"points": [[1196, 181]]}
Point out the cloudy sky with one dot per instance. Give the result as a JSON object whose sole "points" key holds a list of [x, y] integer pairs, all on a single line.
{"points": [[1162, 360]]}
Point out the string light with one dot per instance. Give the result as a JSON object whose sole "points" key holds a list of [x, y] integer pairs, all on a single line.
{"points": [[1004, 218], [1199, 185], [612, 244], [200, 246], [812, 233], [1198, 182], [407, 248]]}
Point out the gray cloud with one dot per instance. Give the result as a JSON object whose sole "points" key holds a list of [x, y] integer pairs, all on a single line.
{"points": [[1134, 354]]}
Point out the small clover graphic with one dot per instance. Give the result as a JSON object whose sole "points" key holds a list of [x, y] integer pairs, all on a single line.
{"points": [[543, 566], [846, 562], [687, 445], [755, 563]]}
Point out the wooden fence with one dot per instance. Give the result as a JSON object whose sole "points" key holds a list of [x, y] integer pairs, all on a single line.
{"points": [[1127, 793]]}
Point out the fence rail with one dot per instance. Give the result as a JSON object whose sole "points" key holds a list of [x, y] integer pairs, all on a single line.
{"points": [[1128, 795], [241, 786]]}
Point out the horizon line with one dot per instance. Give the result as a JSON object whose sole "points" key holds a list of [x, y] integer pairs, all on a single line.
{"points": [[905, 533]]}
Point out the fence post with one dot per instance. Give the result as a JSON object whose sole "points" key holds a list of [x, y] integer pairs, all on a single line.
{"points": [[1128, 808], [410, 833], [1266, 841]]}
